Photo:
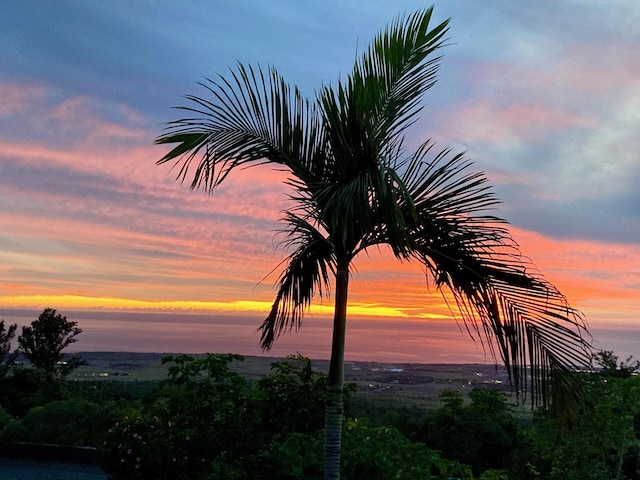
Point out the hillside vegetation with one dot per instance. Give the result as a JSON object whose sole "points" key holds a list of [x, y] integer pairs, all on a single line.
{"points": [[223, 416]]}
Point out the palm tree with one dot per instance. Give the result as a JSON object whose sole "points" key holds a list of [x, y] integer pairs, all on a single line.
{"points": [[355, 187]]}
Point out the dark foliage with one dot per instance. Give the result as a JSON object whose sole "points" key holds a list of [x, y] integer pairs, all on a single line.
{"points": [[215, 424], [27, 388], [292, 397], [372, 453], [73, 422], [42, 343], [483, 434], [604, 441], [207, 422], [6, 356], [610, 367]]}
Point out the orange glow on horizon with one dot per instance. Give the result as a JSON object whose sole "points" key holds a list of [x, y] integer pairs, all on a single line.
{"points": [[59, 302], [597, 279]]}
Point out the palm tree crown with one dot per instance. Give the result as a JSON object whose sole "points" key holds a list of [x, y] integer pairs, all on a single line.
{"points": [[355, 186]]}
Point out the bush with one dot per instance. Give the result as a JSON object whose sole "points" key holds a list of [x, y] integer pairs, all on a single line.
{"points": [[292, 397], [374, 453], [142, 447], [483, 434], [191, 418], [65, 422], [5, 418], [206, 421], [604, 442], [27, 388]]}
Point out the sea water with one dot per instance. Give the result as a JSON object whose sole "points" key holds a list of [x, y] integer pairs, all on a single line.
{"points": [[368, 339]]}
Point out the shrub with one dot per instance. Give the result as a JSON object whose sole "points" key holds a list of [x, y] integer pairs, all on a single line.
{"points": [[27, 388], [5, 418], [190, 419], [374, 453], [73, 422], [483, 434]]}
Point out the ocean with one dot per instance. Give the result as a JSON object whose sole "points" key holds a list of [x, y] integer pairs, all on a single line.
{"points": [[379, 339]]}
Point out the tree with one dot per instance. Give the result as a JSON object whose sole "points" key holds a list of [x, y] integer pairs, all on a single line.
{"points": [[169, 438], [293, 395], [73, 421], [6, 357], [43, 342], [608, 363], [604, 442], [247, 424], [355, 187], [483, 434]]}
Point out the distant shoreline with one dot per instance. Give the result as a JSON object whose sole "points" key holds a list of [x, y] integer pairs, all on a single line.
{"points": [[276, 358], [390, 379]]}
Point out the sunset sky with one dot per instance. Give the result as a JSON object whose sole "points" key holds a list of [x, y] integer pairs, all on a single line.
{"points": [[543, 96]]}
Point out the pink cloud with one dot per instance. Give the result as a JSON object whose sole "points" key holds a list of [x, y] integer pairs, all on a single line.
{"points": [[490, 122], [594, 69], [98, 260], [586, 271], [511, 102], [18, 99]]}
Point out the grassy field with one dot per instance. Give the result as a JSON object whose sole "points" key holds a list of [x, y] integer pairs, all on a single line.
{"points": [[405, 384]]}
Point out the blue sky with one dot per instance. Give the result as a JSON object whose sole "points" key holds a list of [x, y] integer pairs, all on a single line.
{"points": [[543, 96]]}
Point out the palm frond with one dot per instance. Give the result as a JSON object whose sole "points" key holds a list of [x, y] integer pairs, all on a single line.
{"points": [[501, 296], [540, 338], [365, 117], [251, 117], [307, 274], [396, 71]]}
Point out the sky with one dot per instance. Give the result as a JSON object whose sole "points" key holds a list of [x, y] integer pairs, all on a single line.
{"points": [[544, 97]]}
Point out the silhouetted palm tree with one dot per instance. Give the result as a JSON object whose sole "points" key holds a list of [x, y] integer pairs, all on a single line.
{"points": [[355, 187]]}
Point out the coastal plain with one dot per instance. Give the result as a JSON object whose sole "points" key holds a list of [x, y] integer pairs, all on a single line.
{"points": [[408, 384]]}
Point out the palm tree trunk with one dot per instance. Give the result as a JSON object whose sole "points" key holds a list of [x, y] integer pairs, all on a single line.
{"points": [[335, 381]]}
